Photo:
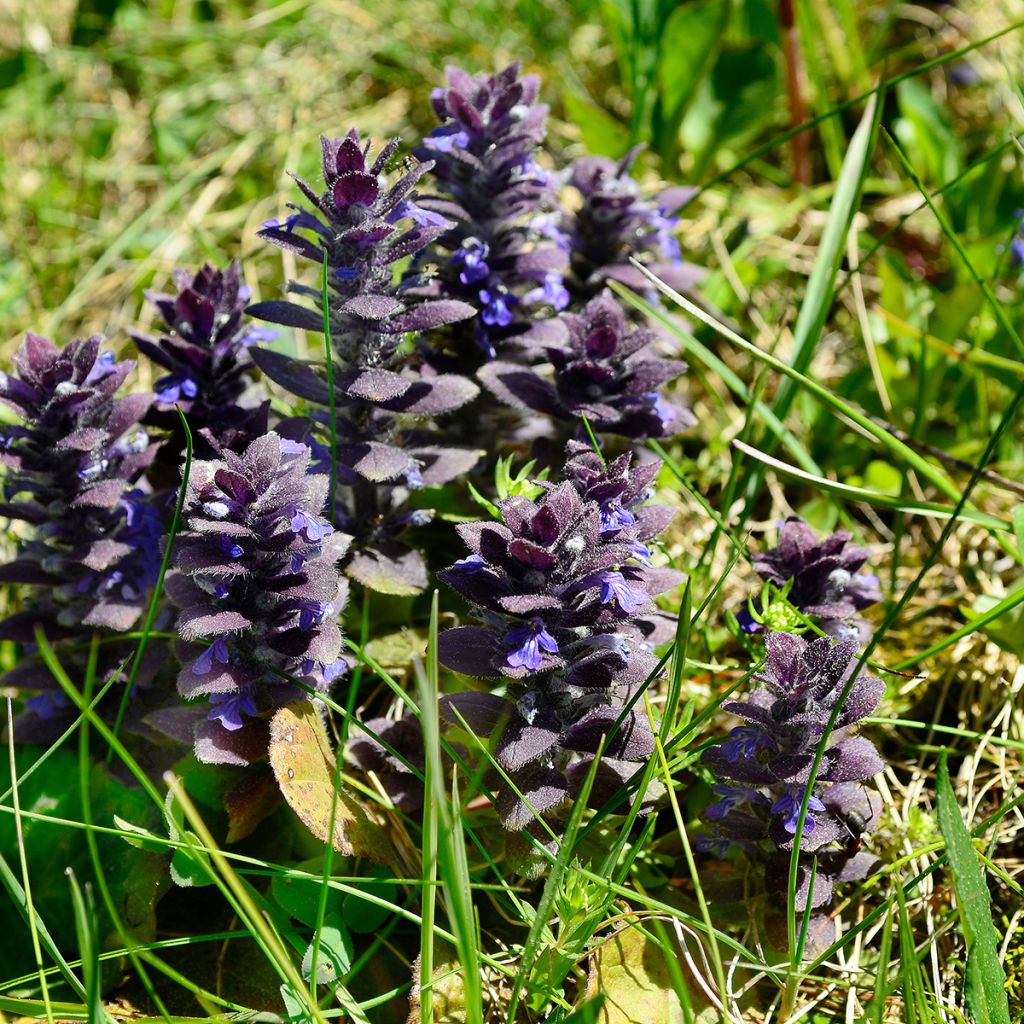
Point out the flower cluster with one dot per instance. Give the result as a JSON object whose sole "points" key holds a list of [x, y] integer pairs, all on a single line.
{"points": [[563, 589], [491, 185], [763, 767], [611, 221], [72, 465], [258, 592], [205, 351], [363, 228], [604, 370], [821, 578]]}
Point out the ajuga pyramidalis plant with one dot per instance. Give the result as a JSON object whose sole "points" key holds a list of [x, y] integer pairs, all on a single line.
{"points": [[386, 395], [763, 767], [562, 588], [491, 187], [74, 464], [820, 579], [255, 580], [604, 369], [205, 352], [607, 219]]}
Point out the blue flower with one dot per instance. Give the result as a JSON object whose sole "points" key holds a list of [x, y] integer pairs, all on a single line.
{"points": [[311, 528], [425, 218], [335, 669], [497, 311], [46, 704], [742, 742], [471, 564], [446, 138], [218, 650], [526, 642], [231, 548], [171, 388], [470, 259], [641, 552], [732, 797], [229, 708], [614, 517], [312, 613], [615, 589], [789, 805]]}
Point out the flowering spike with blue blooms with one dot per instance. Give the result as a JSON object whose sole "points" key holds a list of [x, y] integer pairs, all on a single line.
{"points": [[364, 227], [75, 466], [205, 352], [72, 466], [489, 187], [604, 369], [612, 220], [763, 767], [258, 593], [568, 625], [823, 579]]}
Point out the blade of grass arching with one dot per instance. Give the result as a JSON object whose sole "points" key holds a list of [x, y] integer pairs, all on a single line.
{"points": [[1008, 417], [979, 622], [258, 924], [542, 912], [325, 302], [985, 980], [876, 1008], [29, 909], [428, 891], [889, 501], [85, 795], [995, 305], [452, 866], [818, 295], [691, 865], [783, 137], [88, 946], [694, 348], [20, 900], [33, 1009], [826, 397], [960, 351], [159, 585]]}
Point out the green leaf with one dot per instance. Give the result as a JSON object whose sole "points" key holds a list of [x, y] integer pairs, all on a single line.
{"points": [[687, 47], [632, 973], [1017, 518], [334, 956], [301, 896], [363, 916], [601, 133], [985, 981]]}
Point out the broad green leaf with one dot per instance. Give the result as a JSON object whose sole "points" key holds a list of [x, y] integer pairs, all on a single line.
{"points": [[985, 981], [687, 47], [303, 763], [133, 875], [601, 133], [630, 971], [333, 956], [301, 896]]}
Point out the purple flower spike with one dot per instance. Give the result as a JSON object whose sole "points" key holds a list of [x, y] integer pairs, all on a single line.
{"points": [[568, 660], [205, 349], [763, 765], [273, 598], [526, 643]]}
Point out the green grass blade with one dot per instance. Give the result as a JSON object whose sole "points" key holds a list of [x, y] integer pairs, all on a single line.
{"points": [[851, 493], [985, 981], [85, 929]]}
